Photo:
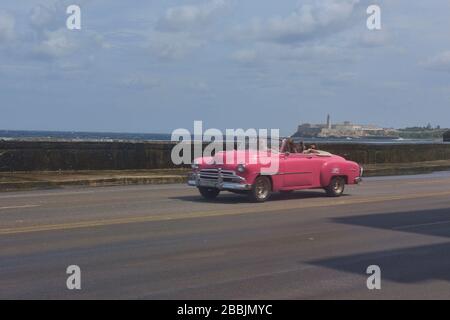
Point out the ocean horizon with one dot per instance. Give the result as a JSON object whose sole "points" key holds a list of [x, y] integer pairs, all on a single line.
{"points": [[43, 135]]}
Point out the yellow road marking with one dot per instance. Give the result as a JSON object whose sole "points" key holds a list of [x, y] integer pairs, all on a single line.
{"points": [[177, 216], [21, 207]]}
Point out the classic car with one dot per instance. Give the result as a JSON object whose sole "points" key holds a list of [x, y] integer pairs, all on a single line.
{"points": [[313, 169]]}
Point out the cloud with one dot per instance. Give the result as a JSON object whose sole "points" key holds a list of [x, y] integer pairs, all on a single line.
{"points": [[317, 52], [7, 27], [49, 39], [172, 46], [308, 21], [245, 56], [56, 44], [140, 82], [265, 53], [339, 79], [374, 38], [186, 17], [199, 86], [182, 29], [439, 62], [45, 17]]}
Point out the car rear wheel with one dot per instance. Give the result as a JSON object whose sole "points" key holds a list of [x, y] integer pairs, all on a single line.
{"points": [[261, 190], [209, 193], [336, 187]]}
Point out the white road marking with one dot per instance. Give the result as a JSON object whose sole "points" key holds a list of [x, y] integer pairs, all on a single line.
{"points": [[411, 226]]}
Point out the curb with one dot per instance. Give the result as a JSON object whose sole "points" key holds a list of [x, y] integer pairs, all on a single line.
{"points": [[370, 171]]}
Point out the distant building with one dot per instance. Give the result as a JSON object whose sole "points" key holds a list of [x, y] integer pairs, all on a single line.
{"points": [[343, 130], [447, 136]]}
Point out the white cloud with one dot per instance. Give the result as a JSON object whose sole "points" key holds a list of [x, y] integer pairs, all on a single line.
{"points": [[172, 46], [307, 54], [186, 17], [322, 53], [309, 20], [7, 27], [182, 29], [374, 38], [44, 17], [56, 44], [200, 86], [140, 82], [439, 62], [48, 37], [245, 56], [339, 78]]}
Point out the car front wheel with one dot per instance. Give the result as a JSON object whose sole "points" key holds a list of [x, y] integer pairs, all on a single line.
{"points": [[336, 187], [209, 193], [261, 189]]}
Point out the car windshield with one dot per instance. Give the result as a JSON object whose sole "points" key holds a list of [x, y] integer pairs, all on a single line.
{"points": [[272, 145]]}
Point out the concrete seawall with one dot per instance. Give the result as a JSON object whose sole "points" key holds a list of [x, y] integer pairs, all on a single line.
{"points": [[446, 136], [390, 153], [53, 156]]}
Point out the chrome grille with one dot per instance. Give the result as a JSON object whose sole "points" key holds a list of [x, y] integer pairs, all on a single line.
{"points": [[214, 174]]}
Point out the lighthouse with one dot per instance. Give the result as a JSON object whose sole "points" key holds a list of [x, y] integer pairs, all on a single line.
{"points": [[328, 122]]}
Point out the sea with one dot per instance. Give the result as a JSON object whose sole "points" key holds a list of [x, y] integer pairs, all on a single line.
{"points": [[18, 135], [80, 136]]}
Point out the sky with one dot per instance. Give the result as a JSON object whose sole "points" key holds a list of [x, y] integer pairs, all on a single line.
{"points": [[155, 66]]}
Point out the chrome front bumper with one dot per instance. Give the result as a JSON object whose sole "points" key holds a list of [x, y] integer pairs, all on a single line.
{"points": [[359, 179], [194, 180]]}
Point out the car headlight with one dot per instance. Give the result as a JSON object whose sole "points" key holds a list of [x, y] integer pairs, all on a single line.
{"points": [[241, 168]]}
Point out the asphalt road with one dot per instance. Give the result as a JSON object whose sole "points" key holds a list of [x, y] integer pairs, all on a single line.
{"points": [[165, 242]]}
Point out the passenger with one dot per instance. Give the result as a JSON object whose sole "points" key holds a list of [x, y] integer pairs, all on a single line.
{"points": [[289, 146], [302, 146], [312, 149], [284, 146], [296, 147]]}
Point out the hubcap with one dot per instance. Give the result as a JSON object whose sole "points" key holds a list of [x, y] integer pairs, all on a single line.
{"points": [[337, 186], [262, 188]]}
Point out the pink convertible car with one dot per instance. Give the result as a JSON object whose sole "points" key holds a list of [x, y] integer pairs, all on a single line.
{"points": [[295, 171]]}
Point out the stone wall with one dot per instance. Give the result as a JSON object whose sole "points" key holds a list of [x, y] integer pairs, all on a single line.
{"points": [[53, 156]]}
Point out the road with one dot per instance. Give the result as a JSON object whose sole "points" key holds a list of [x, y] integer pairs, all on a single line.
{"points": [[165, 242]]}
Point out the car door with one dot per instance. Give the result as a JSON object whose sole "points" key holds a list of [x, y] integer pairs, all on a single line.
{"points": [[297, 170]]}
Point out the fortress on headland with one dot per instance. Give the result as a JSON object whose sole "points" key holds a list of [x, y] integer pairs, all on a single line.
{"points": [[343, 130]]}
